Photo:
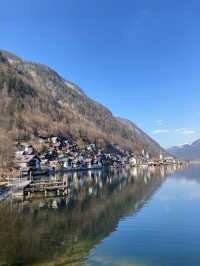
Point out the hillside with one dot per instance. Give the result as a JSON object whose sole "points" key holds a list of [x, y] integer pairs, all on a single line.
{"points": [[187, 151], [140, 134], [35, 100]]}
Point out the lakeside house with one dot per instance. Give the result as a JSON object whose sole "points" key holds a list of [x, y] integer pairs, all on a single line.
{"points": [[28, 163], [61, 153]]}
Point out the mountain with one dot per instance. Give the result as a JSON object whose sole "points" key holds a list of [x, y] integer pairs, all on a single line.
{"points": [[140, 134], [187, 151], [35, 100]]}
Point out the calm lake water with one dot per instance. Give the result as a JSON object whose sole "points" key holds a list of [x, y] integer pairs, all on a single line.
{"points": [[139, 217]]}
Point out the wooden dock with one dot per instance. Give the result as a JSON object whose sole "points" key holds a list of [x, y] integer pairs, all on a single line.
{"points": [[45, 187]]}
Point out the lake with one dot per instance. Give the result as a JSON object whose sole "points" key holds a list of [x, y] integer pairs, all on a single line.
{"points": [[120, 217]]}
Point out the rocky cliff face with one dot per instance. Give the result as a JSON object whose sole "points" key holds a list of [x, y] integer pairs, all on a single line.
{"points": [[35, 100]]}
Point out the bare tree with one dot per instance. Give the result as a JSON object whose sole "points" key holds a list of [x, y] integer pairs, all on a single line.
{"points": [[6, 153]]}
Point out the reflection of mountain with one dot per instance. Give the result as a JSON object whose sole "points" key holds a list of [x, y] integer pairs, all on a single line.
{"points": [[192, 172], [36, 234]]}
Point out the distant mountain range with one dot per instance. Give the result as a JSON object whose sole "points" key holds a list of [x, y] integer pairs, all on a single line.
{"points": [[35, 100], [187, 151]]}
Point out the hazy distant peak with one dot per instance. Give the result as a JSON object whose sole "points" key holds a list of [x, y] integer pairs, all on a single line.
{"points": [[197, 142], [187, 151]]}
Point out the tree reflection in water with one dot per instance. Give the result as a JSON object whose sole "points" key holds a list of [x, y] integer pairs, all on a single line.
{"points": [[62, 231]]}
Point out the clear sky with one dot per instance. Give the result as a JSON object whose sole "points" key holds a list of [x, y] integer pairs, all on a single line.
{"points": [[140, 58]]}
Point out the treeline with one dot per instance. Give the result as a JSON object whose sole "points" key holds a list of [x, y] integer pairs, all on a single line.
{"points": [[6, 154]]}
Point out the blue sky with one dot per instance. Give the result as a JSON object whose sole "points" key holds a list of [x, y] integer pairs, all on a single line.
{"points": [[140, 58]]}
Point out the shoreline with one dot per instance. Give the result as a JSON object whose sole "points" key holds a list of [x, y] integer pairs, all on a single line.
{"points": [[27, 186], [74, 170]]}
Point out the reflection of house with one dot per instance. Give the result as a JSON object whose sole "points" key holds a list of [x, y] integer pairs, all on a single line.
{"points": [[133, 161], [97, 163], [88, 162]]}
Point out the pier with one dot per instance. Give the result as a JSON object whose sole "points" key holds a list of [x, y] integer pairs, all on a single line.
{"points": [[46, 187]]}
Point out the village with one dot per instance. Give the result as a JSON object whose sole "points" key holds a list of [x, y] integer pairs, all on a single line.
{"points": [[57, 153], [40, 164]]}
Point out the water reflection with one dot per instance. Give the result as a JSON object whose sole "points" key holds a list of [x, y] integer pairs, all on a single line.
{"points": [[63, 230]]}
